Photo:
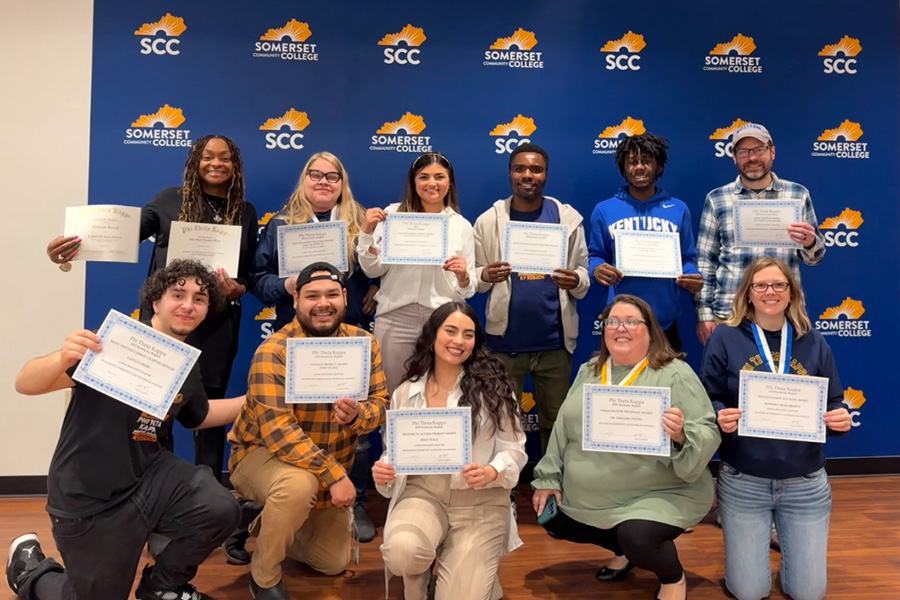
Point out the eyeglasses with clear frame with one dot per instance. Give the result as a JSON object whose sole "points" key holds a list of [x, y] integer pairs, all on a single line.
{"points": [[330, 176], [630, 323], [757, 152], [761, 288]]}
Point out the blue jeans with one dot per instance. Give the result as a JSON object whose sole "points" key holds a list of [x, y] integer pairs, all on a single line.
{"points": [[800, 507]]}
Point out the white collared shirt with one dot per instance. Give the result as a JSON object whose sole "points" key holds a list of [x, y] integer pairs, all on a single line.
{"points": [[504, 450], [427, 285]]}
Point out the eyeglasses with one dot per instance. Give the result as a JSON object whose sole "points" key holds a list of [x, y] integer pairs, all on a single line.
{"points": [[757, 152], [330, 176], [630, 323], [778, 286]]}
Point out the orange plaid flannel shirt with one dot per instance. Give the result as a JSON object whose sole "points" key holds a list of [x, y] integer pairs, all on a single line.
{"points": [[303, 435]]}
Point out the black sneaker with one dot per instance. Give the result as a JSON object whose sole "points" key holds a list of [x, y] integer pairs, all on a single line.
{"points": [[182, 592], [365, 528], [24, 556]]}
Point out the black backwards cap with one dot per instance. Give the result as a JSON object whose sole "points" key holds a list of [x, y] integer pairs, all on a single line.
{"points": [[306, 275]]}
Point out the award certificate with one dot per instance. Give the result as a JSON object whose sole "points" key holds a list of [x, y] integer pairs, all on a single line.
{"points": [[109, 233], [765, 222], [648, 253], [429, 441], [625, 419], [535, 247], [782, 407], [323, 369], [306, 243], [138, 365], [415, 238], [216, 246]]}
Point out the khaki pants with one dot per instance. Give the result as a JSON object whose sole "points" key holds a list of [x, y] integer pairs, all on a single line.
{"points": [[289, 525], [466, 528]]}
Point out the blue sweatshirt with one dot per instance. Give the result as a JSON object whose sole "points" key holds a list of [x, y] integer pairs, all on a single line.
{"points": [[660, 212], [728, 351]]}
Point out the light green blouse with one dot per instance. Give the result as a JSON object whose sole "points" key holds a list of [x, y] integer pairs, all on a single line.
{"points": [[602, 489]]}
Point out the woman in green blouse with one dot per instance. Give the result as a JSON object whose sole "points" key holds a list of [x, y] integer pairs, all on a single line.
{"points": [[632, 504]]}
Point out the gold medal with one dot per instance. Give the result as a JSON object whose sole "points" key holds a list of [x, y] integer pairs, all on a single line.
{"points": [[65, 267]]}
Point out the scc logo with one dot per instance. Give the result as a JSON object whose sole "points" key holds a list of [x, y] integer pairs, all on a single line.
{"points": [[401, 56], [160, 46], [840, 66]]}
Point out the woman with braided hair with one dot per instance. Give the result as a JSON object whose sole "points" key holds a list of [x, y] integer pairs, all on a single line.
{"points": [[212, 192]]}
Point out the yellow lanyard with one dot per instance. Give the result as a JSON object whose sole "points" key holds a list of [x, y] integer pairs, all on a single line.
{"points": [[606, 372]]}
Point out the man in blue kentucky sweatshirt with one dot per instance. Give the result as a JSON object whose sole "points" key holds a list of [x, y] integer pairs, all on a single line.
{"points": [[641, 205]]}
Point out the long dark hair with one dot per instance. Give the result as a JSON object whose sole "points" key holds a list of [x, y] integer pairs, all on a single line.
{"points": [[192, 205], [658, 354], [486, 385], [411, 201]]}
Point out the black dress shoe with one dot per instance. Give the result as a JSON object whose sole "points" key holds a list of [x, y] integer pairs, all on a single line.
{"points": [[276, 592], [607, 574]]}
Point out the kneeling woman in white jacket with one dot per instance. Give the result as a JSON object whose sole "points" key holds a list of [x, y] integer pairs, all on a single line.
{"points": [[464, 518]]}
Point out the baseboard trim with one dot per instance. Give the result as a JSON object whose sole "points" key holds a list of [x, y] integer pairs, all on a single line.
{"points": [[36, 485]]}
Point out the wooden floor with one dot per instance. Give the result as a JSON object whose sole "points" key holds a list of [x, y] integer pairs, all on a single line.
{"points": [[863, 556]]}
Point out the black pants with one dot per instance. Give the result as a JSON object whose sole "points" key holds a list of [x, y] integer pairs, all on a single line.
{"points": [[209, 444], [646, 544], [673, 337], [101, 552]]}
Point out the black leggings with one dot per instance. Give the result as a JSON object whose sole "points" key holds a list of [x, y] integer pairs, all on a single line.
{"points": [[646, 544]]}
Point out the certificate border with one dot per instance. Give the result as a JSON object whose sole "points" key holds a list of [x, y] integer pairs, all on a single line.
{"points": [[341, 226], [739, 241], [525, 268], [83, 375], [292, 396], [664, 448], [744, 429], [393, 260], [427, 413], [237, 230], [677, 266]]}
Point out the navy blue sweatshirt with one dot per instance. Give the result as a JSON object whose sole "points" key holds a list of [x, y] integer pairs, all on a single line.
{"points": [[728, 351]]}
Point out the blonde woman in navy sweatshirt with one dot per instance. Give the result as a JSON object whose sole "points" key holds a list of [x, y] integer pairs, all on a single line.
{"points": [[763, 479]]}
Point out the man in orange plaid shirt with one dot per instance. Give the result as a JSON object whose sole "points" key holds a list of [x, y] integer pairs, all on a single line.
{"points": [[294, 458]]}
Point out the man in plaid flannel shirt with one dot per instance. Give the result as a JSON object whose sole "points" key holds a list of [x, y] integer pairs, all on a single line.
{"points": [[720, 262], [294, 458]]}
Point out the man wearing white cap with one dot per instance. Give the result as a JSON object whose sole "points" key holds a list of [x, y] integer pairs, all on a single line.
{"points": [[722, 263]]}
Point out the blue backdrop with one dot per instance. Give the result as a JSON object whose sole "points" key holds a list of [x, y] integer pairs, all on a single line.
{"points": [[376, 83]]}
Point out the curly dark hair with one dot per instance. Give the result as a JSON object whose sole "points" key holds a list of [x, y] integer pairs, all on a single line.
{"points": [[529, 147], [658, 354], [177, 273], [193, 209], [648, 144], [486, 384], [411, 201]]}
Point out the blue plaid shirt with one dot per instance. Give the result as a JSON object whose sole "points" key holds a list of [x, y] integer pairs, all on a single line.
{"points": [[722, 264]]}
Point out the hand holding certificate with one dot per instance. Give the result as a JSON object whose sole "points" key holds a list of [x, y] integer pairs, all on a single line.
{"points": [[535, 247], [625, 419], [765, 222], [429, 441], [324, 369], [138, 366], [216, 246], [415, 238], [108, 233], [648, 253], [306, 243], [782, 407]]}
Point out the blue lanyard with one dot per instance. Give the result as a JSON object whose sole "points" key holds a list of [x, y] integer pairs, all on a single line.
{"points": [[762, 345]]}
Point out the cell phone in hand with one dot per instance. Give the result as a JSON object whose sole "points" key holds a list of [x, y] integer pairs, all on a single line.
{"points": [[549, 510]]}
